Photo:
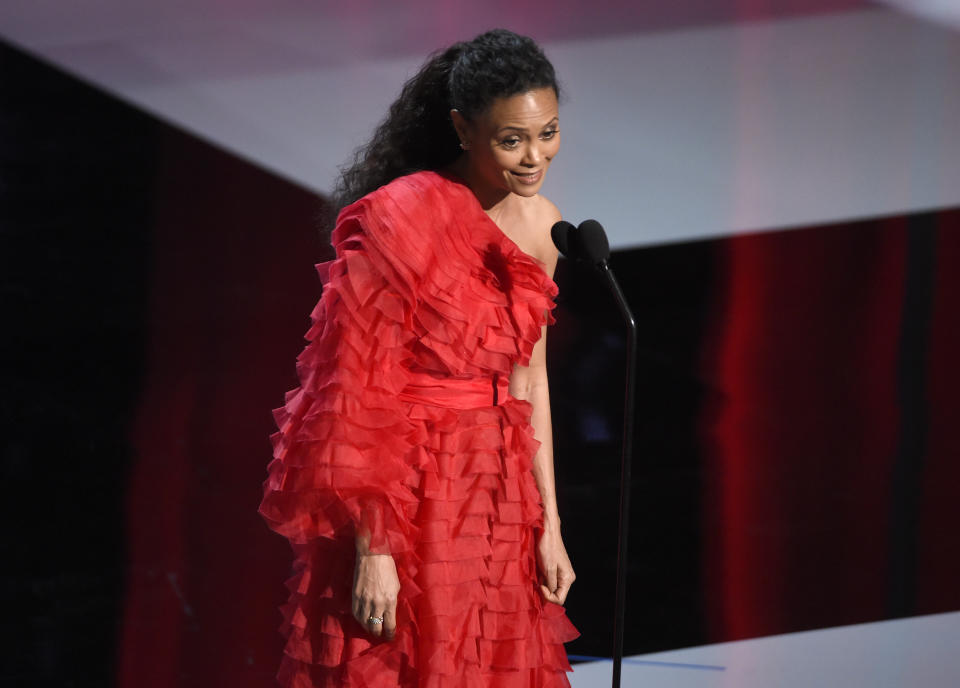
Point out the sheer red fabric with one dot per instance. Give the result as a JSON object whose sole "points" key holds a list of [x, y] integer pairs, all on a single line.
{"points": [[403, 425]]}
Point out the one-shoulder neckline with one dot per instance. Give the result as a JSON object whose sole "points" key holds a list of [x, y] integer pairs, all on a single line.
{"points": [[514, 246]]}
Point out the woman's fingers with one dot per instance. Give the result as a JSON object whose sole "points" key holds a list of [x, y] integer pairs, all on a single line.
{"points": [[369, 610], [375, 628], [386, 613], [565, 579], [390, 621], [549, 595], [562, 580], [365, 609], [551, 578]]}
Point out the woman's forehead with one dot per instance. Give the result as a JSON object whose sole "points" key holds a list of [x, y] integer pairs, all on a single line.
{"points": [[529, 109]]}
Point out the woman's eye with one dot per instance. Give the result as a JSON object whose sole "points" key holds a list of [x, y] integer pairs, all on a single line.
{"points": [[510, 143], [548, 134]]}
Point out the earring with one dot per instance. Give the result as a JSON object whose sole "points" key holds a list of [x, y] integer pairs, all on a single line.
{"points": [[464, 146]]}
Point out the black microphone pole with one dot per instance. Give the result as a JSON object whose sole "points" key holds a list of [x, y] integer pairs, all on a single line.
{"points": [[588, 242], [626, 459]]}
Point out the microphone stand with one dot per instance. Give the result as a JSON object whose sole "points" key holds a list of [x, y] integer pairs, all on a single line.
{"points": [[588, 242], [626, 459]]}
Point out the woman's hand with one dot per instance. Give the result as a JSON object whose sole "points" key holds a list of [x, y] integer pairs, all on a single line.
{"points": [[375, 589], [556, 572]]}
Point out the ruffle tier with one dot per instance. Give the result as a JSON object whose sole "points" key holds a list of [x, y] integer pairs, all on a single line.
{"points": [[447, 491]]}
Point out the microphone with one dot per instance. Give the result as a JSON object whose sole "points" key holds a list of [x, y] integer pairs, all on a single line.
{"points": [[591, 243], [560, 233], [588, 243]]}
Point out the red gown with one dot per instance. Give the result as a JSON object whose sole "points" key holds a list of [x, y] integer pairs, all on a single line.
{"points": [[403, 424]]}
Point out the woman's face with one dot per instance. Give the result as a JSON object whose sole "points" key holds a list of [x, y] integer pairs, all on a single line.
{"points": [[512, 143]]}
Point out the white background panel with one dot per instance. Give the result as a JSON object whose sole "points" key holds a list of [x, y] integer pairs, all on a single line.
{"points": [[676, 127]]}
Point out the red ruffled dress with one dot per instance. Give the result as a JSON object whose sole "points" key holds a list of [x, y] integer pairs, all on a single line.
{"points": [[403, 424]]}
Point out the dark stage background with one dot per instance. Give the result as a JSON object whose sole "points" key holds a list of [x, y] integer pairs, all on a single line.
{"points": [[797, 461]]}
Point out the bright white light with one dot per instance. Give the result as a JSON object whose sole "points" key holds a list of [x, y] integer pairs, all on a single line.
{"points": [[940, 11]]}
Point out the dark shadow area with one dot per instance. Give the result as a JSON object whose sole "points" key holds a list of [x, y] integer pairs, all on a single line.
{"points": [[76, 197], [669, 289], [793, 461]]}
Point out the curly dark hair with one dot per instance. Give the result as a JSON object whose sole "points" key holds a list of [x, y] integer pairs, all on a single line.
{"points": [[417, 133]]}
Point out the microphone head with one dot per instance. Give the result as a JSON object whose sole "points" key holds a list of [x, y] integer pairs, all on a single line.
{"points": [[590, 242], [560, 233]]}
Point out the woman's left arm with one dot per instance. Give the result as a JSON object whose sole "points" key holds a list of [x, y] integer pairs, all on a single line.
{"points": [[530, 383]]}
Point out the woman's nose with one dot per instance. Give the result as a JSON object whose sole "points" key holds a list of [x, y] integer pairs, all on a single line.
{"points": [[532, 155]]}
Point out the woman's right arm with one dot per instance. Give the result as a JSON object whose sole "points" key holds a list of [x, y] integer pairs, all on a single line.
{"points": [[338, 467]]}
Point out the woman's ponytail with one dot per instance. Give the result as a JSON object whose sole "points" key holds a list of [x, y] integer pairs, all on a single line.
{"points": [[416, 134]]}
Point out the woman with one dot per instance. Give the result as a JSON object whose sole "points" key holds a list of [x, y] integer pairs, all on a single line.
{"points": [[413, 468]]}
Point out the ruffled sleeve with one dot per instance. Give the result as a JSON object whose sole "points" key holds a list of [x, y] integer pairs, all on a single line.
{"points": [[339, 452]]}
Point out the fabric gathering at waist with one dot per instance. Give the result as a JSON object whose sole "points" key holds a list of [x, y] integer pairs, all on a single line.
{"points": [[458, 393]]}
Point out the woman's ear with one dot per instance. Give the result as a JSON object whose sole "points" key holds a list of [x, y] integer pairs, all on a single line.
{"points": [[462, 128]]}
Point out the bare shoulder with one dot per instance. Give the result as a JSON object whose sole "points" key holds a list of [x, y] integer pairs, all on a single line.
{"points": [[546, 214], [530, 226], [547, 209]]}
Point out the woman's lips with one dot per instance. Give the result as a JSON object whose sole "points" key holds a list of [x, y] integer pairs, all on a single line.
{"points": [[529, 177]]}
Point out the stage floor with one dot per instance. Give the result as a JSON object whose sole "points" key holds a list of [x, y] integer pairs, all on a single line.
{"points": [[920, 652]]}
